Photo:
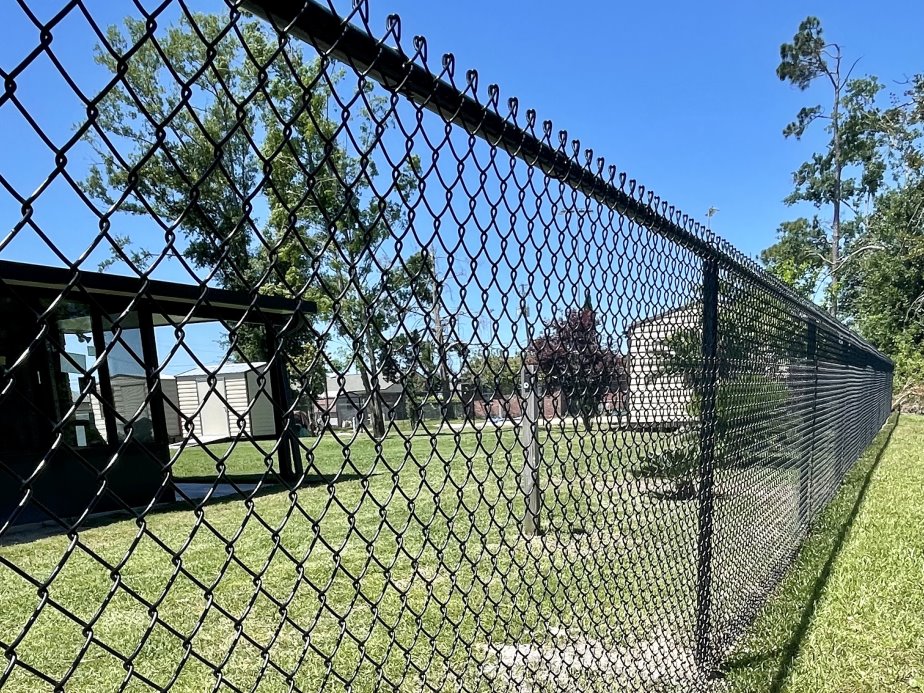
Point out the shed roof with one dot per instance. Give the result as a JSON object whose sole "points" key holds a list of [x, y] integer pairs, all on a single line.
{"points": [[353, 384], [226, 369]]}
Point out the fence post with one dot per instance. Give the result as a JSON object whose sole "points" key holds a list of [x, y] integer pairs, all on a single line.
{"points": [[707, 432], [529, 441], [806, 466], [280, 398]]}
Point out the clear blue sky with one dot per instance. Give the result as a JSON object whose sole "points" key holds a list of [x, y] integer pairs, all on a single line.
{"points": [[682, 96]]}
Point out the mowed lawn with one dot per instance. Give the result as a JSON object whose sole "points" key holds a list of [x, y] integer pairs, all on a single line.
{"points": [[403, 568], [850, 615]]}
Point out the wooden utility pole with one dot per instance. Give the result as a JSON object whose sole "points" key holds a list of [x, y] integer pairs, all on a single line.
{"points": [[528, 435], [439, 339]]}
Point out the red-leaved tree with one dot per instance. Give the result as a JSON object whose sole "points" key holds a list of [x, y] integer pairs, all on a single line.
{"points": [[572, 357]]}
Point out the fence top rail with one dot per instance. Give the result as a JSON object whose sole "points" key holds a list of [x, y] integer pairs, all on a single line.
{"points": [[409, 75]]}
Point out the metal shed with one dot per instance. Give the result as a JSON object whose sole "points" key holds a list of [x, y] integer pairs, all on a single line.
{"points": [[240, 401]]}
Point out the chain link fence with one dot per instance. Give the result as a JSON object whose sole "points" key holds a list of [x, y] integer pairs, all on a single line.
{"points": [[325, 368]]}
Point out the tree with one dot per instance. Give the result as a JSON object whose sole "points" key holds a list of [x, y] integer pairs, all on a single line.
{"points": [[798, 257], [253, 128], [889, 302], [493, 372], [843, 177], [884, 288], [572, 357]]}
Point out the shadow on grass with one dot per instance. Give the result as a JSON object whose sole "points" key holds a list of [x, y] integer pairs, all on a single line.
{"points": [[269, 481], [767, 657], [229, 488]]}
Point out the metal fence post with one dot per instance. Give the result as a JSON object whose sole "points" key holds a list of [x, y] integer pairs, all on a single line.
{"points": [[807, 464], [707, 433], [529, 441]]}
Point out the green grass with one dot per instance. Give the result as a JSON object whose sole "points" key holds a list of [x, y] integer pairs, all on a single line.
{"points": [[403, 577], [850, 615], [403, 567]]}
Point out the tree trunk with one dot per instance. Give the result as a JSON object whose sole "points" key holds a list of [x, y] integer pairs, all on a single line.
{"points": [[366, 370], [438, 336], [684, 488], [588, 419], [838, 173]]}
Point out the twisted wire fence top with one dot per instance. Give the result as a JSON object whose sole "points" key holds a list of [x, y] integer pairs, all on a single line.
{"points": [[321, 368]]}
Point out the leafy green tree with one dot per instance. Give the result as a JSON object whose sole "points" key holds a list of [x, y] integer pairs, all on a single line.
{"points": [[419, 358], [799, 256], [199, 133], [493, 372], [885, 286], [889, 301], [842, 178]]}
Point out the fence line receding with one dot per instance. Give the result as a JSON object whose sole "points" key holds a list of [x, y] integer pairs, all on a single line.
{"points": [[324, 367]]}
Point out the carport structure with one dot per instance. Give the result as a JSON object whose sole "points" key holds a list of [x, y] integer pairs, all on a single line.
{"points": [[82, 406]]}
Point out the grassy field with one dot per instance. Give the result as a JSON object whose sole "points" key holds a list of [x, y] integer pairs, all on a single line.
{"points": [[410, 575], [401, 566], [850, 615]]}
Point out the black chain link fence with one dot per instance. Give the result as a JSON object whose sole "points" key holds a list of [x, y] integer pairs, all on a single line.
{"points": [[325, 369]]}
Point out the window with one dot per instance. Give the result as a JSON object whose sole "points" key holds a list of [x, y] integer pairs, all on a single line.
{"points": [[130, 395], [75, 390]]}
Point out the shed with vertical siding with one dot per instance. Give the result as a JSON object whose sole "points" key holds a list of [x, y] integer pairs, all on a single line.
{"points": [[241, 400]]}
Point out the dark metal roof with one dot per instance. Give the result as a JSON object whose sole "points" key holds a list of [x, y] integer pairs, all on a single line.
{"points": [[165, 298]]}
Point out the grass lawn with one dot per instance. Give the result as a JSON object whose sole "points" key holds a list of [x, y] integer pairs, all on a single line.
{"points": [[409, 575], [850, 616]]}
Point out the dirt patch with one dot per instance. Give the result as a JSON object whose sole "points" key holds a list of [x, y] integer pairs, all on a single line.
{"points": [[569, 660]]}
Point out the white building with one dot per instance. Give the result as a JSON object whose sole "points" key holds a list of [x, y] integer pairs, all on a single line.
{"points": [[656, 396], [343, 403], [238, 401]]}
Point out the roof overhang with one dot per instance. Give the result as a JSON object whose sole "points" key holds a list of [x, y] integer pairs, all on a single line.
{"points": [[189, 302]]}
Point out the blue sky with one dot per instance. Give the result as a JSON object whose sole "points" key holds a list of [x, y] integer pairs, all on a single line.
{"points": [[682, 96]]}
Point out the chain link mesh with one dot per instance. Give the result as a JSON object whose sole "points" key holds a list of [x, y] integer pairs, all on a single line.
{"points": [[328, 370]]}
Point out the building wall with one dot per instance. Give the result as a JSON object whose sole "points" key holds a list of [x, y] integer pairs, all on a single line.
{"points": [[654, 397], [169, 389], [214, 416], [188, 399], [129, 394], [238, 401], [349, 405], [551, 406], [262, 418], [245, 399]]}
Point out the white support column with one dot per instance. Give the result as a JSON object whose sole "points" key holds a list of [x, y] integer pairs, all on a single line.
{"points": [[529, 442]]}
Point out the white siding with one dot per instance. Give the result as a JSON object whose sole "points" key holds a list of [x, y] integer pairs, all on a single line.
{"points": [[239, 389], [98, 419], [188, 399], [128, 397], [262, 420], [236, 393], [214, 412], [655, 398]]}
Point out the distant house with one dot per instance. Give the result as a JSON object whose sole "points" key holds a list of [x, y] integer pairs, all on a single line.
{"points": [[240, 400], [657, 397], [343, 402], [480, 406]]}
